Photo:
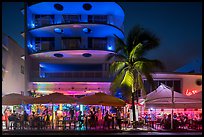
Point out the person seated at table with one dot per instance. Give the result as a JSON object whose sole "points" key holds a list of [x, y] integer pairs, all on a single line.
{"points": [[107, 120]]}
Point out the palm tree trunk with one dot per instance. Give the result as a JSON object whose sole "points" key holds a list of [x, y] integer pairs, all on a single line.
{"points": [[137, 100], [133, 110]]}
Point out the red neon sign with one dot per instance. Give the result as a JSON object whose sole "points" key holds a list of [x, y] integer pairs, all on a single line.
{"points": [[188, 93]]}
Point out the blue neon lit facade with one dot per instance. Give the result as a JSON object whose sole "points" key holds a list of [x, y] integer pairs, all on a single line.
{"points": [[66, 37]]}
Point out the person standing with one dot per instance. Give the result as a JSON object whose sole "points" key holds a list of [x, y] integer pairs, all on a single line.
{"points": [[25, 119], [80, 119], [118, 118], [106, 120], [7, 113], [71, 112], [47, 120]]}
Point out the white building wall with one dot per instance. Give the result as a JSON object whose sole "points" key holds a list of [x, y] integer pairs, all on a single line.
{"points": [[13, 79], [188, 81]]}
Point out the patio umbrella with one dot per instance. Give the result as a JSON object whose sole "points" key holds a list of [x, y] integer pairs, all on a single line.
{"points": [[166, 97], [16, 99], [54, 98], [101, 99]]}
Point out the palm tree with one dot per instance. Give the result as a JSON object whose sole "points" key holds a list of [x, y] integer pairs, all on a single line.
{"points": [[129, 64]]}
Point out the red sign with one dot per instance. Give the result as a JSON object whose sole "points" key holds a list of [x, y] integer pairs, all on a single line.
{"points": [[188, 92]]}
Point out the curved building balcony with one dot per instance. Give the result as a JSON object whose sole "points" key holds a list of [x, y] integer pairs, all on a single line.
{"points": [[73, 37], [47, 13], [72, 56]]}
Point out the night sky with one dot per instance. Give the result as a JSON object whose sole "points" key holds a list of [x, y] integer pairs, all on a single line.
{"points": [[178, 25]]}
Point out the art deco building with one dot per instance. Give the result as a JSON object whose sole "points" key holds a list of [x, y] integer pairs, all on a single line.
{"points": [[68, 44]]}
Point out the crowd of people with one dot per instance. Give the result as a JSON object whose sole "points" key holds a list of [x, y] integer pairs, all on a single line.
{"points": [[92, 118], [180, 120], [96, 117]]}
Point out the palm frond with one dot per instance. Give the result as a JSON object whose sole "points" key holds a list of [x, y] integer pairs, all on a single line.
{"points": [[152, 64], [139, 35], [117, 66], [133, 36], [128, 79], [116, 57], [130, 66], [116, 83], [120, 44], [136, 52]]}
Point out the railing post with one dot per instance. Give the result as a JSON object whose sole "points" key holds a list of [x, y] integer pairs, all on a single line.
{"points": [[86, 122], [112, 122]]}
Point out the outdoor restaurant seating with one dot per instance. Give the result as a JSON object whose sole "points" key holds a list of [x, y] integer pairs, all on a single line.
{"points": [[98, 117]]}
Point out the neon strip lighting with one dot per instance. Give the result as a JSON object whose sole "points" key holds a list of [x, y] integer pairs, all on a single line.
{"points": [[92, 83]]}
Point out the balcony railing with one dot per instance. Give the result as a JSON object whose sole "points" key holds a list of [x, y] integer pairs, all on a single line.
{"points": [[97, 43], [98, 19], [43, 20], [71, 18], [44, 46], [71, 43], [69, 75]]}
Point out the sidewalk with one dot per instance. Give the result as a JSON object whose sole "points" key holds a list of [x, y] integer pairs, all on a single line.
{"points": [[128, 130]]}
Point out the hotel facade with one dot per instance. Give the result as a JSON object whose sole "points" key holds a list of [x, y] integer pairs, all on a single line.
{"points": [[68, 44]]}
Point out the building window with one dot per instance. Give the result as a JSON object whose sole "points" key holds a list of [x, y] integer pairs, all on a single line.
{"points": [[71, 18], [176, 84], [44, 44], [43, 20], [71, 42], [22, 69], [97, 43], [169, 83], [97, 19]]}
